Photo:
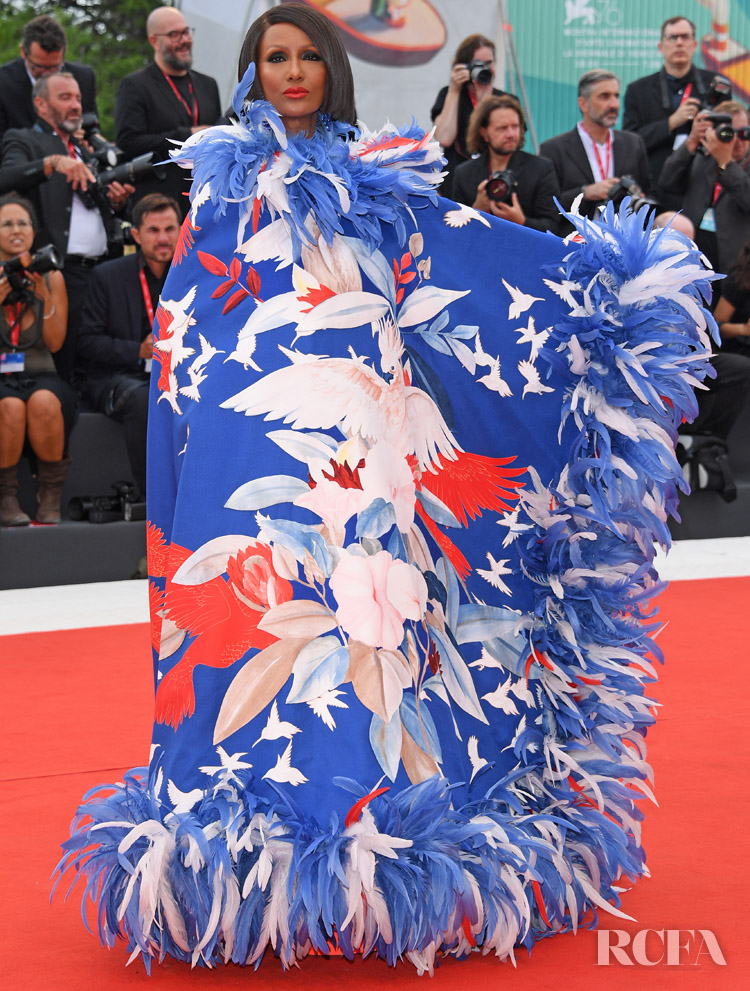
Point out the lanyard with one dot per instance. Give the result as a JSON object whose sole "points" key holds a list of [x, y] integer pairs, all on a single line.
{"points": [[603, 170], [193, 114], [147, 298], [17, 310], [686, 93]]}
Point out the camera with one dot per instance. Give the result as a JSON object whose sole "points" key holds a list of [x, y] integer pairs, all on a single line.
{"points": [[96, 194], [501, 186], [131, 171], [105, 152], [722, 124], [47, 259], [627, 186], [719, 89], [123, 505], [480, 72]]}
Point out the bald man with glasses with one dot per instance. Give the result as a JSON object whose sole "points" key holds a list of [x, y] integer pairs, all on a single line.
{"points": [[165, 102], [661, 107]]}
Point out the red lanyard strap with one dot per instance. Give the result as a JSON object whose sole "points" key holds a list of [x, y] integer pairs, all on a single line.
{"points": [[603, 172], [192, 113], [17, 311], [686, 94], [147, 298]]}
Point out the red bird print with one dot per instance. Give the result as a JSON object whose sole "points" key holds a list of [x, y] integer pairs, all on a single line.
{"points": [[223, 616]]}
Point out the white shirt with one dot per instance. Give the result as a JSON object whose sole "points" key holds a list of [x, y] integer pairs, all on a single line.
{"points": [[589, 145]]}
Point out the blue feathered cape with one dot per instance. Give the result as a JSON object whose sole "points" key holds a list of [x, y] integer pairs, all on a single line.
{"points": [[407, 467]]}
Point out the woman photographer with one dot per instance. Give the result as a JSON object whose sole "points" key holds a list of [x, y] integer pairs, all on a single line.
{"points": [[36, 406], [468, 86]]}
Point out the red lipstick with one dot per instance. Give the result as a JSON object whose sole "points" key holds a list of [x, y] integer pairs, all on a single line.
{"points": [[295, 92]]}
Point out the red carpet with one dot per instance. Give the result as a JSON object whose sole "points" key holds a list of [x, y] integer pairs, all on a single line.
{"points": [[77, 711]]}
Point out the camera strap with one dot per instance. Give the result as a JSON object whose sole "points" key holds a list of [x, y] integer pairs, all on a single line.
{"points": [[11, 336]]}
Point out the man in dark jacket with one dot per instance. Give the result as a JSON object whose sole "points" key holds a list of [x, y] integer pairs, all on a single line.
{"points": [[495, 137], [165, 102], [48, 164], [661, 107], [116, 338], [591, 159], [714, 185], [42, 52]]}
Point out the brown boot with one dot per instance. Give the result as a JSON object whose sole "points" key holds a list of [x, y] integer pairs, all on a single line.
{"points": [[51, 478], [11, 513]]}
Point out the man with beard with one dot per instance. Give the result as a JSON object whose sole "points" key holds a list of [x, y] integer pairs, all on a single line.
{"points": [[592, 158], [46, 163], [495, 137], [165, 102], [43, 50]]}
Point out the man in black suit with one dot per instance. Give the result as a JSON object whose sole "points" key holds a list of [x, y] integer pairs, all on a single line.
{"points": [[116, 331], [165, 102], [42, 52], [47, 164], [592, 158], [714, 185], [495, 137], [661, 107]]}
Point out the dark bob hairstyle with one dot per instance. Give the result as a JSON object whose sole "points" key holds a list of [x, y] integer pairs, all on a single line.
{"points": [[338, 100]]}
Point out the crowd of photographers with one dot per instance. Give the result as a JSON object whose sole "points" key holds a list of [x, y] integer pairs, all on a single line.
{"points": [[77, 197]]}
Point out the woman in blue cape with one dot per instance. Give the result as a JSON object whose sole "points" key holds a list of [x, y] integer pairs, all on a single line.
{"points": [[407, 467]]}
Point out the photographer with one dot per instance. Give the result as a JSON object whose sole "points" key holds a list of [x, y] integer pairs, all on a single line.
{"points": [[711, 172], [661, 107], [501, 179], [42, 51], [36, 406], [75, 215], [471, 81]]}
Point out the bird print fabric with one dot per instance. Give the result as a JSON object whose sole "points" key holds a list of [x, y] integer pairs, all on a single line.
{"points": [[401, 525]]}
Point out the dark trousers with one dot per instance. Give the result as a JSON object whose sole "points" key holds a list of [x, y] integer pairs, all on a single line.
{"points": [[719, 407], [67, 363], [126, 399]]}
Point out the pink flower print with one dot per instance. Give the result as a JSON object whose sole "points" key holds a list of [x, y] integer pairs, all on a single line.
{"points": [[375, 595]]}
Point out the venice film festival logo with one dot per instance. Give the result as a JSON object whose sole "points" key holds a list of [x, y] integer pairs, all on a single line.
{"points": [[649, 947]]}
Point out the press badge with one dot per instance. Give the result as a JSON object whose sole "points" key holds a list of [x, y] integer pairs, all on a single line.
{"points": [[11, 362], [709, 221], [147, 365]]}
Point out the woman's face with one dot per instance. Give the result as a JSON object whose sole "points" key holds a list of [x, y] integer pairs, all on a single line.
{"points": [[16, 232], [292, 75]]}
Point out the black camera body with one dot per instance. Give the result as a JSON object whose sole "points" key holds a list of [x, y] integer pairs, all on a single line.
{"points": [[501, 186], [47, 259], [723, 128], [480, 72], [105, 152], [626, 185], [719, 90], [123, 505]]}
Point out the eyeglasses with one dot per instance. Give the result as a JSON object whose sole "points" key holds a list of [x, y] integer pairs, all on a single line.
{"points": [[673, 38], [43, 69], [9, 225], [176, 35]]}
